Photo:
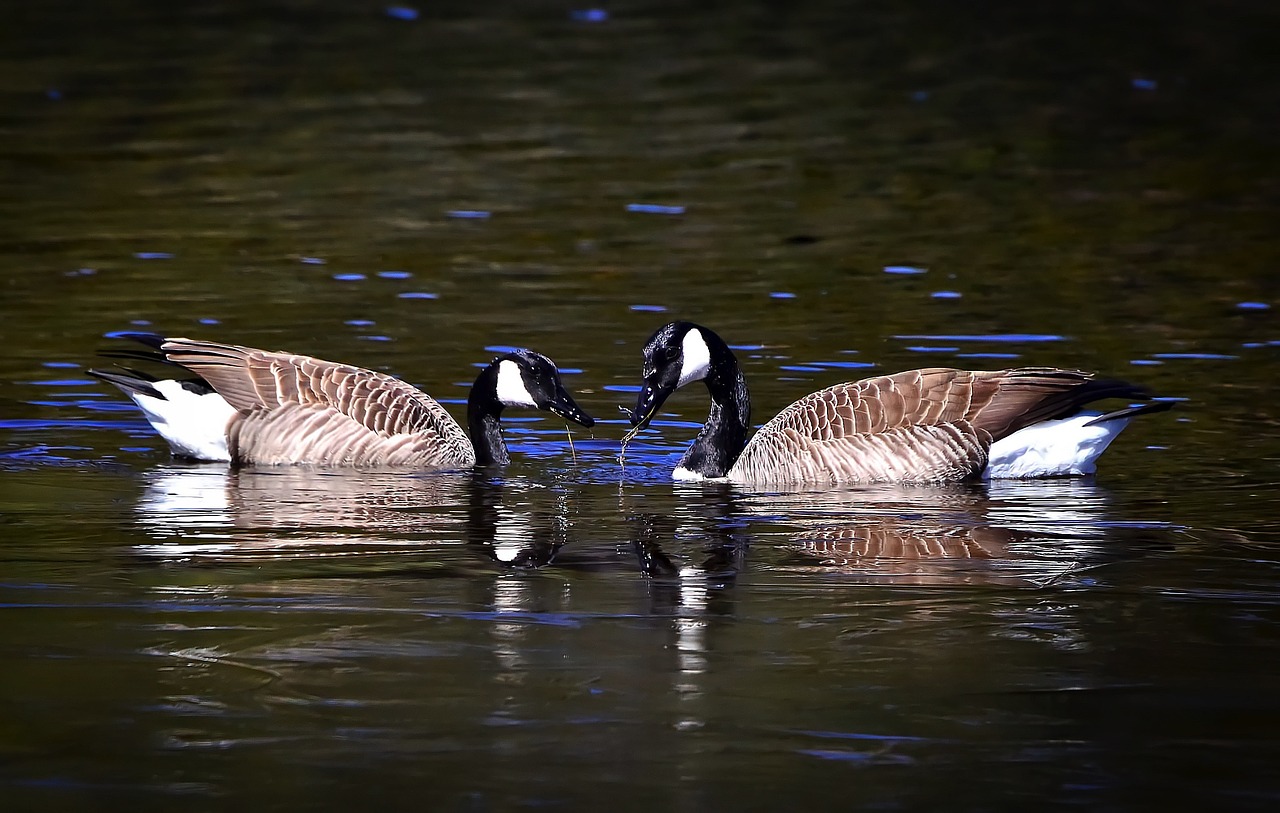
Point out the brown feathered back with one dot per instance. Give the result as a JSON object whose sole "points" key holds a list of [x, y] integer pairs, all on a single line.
{"points": [[299, 409], [917, 426]]}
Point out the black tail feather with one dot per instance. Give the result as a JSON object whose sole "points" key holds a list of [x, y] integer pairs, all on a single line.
{"points": [[1071, 401], [1130, 411], [136, 355], [136, 381], [152, 340], [130, 381]]}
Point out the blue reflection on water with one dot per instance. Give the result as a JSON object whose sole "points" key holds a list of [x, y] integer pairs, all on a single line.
{"points": [[856, 735], [655, 209], [44, 423], [875, 757], [402, 13], [589, 15], [980, 337], [62, 382]]}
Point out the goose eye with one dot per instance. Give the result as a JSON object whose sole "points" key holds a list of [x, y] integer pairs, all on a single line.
{"points": [[671, 353]]}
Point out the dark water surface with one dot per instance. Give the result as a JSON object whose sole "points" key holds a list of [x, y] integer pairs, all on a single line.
{"points": [[839, 189]]}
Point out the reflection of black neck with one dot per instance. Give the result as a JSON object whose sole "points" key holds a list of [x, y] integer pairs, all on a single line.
{"points": [[485, 518], [723, 436], [719, 529], [483, 497], [484, 419]]}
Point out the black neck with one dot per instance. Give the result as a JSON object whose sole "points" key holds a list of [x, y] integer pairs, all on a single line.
{"points": [[723, 436], [484, 419]]}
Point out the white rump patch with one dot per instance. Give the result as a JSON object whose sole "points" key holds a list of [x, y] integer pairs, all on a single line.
{"points": [[683, 475], [1053, 448], [697, 357], [194, 425], [511, 389], [686, 475]]}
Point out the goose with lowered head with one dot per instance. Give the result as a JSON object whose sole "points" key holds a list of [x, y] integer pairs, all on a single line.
{"points": [[920, 426], [251, 406]]}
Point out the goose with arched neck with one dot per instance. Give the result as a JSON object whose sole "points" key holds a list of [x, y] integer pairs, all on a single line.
{"points": [[927, 425]]}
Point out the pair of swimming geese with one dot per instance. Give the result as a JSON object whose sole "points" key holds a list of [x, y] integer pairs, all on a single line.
{"points": [[250, 406]]}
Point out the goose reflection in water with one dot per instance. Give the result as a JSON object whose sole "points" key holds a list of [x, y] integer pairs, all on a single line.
{"points": [[207, 513], [1024, 533], [692, 557]]}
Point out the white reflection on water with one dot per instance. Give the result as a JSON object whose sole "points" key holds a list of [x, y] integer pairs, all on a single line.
{"points": [[180, 501], [510, 595], [513, 533], [689, 623], [690, 627]]}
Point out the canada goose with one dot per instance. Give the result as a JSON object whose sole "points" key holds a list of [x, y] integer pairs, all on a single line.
{"points": [[928, 425], [273, 408]]}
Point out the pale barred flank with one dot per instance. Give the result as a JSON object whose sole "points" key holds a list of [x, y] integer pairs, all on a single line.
{"points": [[921, 426], [909, 454], [309, 433], [298, 409]]}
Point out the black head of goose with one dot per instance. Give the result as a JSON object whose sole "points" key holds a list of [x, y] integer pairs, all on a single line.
{"points": [[261, 407], [918, 426]]}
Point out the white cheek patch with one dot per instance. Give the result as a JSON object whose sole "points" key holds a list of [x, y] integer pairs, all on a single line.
{"points": [[697, 358], [511, 389]]}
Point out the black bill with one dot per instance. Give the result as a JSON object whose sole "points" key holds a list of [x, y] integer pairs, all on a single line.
{"points": [[567, 408], [648, 403]]}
